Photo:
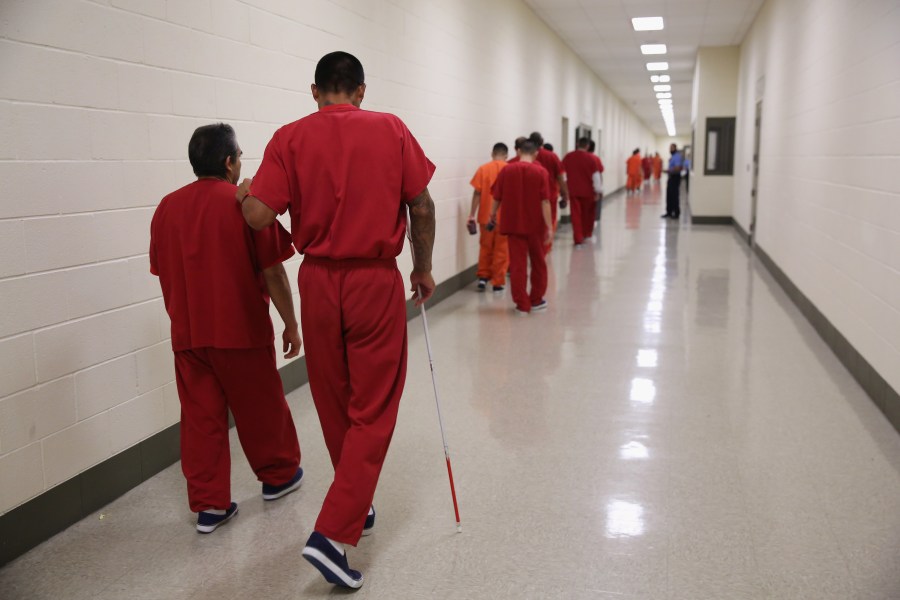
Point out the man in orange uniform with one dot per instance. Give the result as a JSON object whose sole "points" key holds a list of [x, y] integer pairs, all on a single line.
{"points": [[584, 189], [523, 189], [348, 176], [217, 276], [633, 169], [657, 167], [493, 259]]}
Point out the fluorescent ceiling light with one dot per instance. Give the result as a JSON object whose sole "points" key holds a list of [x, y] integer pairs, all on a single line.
{"points": [[647, 23], [658, 66], [664, 94], [663, 78], [662, 88], [653, 48], [665, 102]]}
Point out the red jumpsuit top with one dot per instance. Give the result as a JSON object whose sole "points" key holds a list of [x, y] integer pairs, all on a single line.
{"points": [[210, 264], [521, 189], [340, 212], [580, 166], [554, 167]]}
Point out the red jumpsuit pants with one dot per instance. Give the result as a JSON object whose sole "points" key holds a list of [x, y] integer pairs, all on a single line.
{"points": [[353, 314], [582, 210], [521, 249], [212, 380]]}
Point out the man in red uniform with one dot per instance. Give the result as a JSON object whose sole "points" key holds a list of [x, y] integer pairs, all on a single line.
{"points": [[523, 189], [584, 189], [646, 167], [558, 186], [347, 176], [493, 259], [217, 276]]}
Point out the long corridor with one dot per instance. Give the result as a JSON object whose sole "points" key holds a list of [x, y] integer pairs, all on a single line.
{"points": [[671, 428]]}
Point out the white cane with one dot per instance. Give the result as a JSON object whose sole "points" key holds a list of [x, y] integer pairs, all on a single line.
{"points": [[437, 399]]}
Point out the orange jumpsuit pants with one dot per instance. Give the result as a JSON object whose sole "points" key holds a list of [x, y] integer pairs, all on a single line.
{"points": [[493, 258]]}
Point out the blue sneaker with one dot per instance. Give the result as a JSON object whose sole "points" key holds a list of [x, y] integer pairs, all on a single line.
{"points": [[370, 523], [274, 492], [208, 522], [331, 563], [540, 306]]}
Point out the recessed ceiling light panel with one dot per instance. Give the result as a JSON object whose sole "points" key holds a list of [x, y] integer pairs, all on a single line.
{"points": [[647, 23], [658, 66], [653, 48], [662, 88]]}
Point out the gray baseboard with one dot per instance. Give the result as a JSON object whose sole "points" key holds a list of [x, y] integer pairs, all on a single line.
{"points": [[42, 517], [885, 397], [695, 220], [741, 232]]}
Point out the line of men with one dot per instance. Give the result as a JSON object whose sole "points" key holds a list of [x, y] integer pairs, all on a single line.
{"points": [[348, 178], [640, 170], [514, 204]]}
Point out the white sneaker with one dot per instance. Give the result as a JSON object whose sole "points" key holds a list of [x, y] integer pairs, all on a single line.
{"points": [[540, 306], [520, 313]]}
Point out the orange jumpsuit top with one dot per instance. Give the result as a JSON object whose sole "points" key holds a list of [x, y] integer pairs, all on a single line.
{"points": [[633, 164], [657, 166], [482, 181]]}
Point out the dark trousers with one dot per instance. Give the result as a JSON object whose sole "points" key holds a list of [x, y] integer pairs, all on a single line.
{"points": [[673, 204]]}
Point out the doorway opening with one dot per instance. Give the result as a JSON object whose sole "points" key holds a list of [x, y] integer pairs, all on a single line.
{"points": [[564, 142], [754, 190]]}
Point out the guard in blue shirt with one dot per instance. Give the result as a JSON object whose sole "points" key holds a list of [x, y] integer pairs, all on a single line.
{"points": [[673, 202]]}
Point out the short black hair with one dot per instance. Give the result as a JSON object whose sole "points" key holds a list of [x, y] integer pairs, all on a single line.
{"points": [[592, 146], [500, 147], [209, 147], [519, 141], [636, 151], [537, 138], [548, 147], [584, 142], [339, 72], [528, 147]]}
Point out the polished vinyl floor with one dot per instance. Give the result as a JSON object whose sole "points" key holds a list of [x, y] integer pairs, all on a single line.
{"points": [[671, 428]]}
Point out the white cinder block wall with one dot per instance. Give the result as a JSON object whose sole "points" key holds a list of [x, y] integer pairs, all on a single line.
{"points": [[97, 103], [828, 75]]}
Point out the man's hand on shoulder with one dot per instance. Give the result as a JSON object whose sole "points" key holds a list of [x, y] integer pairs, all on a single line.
{"points": [[243, 190]]}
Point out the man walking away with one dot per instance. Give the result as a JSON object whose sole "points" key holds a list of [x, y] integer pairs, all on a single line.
{"points": [[217, 276], [348, 176]]}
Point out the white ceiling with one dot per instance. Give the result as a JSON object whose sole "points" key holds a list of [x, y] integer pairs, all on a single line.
{"points": [[600, 32]]}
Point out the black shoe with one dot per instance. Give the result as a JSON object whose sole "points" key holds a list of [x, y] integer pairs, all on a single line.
{"points": [[664, 216], [274, 492], [208, 522], [331, 563], [369, 527], [498, 289], [482, 283]]}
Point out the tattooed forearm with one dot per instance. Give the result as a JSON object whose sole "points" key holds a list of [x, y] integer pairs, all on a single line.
{"points": [[421, 230]]}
